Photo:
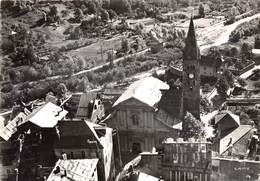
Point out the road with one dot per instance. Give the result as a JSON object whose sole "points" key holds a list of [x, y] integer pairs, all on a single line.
{"points": [[222, 32]]}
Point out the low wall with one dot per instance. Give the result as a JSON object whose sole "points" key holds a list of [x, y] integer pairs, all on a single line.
{"points": [[234, 169], [239, 72]]}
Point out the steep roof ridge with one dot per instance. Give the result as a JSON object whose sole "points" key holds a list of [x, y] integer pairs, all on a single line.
{"points": [[191, 50]]}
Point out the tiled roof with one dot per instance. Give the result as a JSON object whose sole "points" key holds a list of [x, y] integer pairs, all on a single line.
{"points": [[47, 116], [146, 90], [84, 109], [11, 127], [80, 169], [222, 116], [236, 135]]}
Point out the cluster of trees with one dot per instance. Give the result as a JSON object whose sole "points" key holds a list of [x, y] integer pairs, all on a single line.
{"points": [[225, 81], [245, 29], [248, 114], [192, 128], [206, 105]]}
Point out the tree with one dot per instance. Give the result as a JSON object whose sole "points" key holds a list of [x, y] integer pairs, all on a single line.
{"points": [[61, 90], [83, 84], [201, 10], [239, 65], [104, 15], [78, 14], [229, 77], [92, 8], [81, 63], [47, 70], [241, 81], [205, 105], [257, 84], [125, 47], [192, 128], [112, 15], [110, 58], [222, 86]]}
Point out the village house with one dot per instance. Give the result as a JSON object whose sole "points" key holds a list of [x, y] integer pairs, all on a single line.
{"points": [[232, 138], [81, 139], [210, 66], [139, 122], [38, 133], [180, 160]]}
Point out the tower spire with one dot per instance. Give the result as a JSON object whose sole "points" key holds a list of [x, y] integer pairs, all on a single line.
{"points": [[191, 50]]}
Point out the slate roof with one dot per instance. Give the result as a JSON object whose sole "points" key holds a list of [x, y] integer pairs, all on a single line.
{"points": [[47, 116], [77, 134], [236, 135], [168, 119], [210, 61], [11, 127], [191, 50], [146, 90], [219, 119], [76, 169], [84, 105]]}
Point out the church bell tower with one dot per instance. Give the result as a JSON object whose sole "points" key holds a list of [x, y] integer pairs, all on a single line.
{"points": [[191, 74]]}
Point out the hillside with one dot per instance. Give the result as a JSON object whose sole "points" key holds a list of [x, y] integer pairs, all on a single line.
{"points": [[45, 43]]}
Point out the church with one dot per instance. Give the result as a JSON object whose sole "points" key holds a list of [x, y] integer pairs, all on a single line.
{"points": [[150, 110]]}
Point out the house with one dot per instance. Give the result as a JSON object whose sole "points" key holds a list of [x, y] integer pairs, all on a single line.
{"points": [[11, 128], [38, 133], [81, 139], [139, 122], [210, 66], [226, 123], [180, 160], [10, 158], [90, 107], [74, 169]]}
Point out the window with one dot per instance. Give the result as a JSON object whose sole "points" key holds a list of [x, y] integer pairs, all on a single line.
{"points": [[204, 68], [136, 148], [83, 154], [135, 119]]}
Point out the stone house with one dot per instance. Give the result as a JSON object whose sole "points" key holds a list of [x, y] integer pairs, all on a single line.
{"points": [[210, 66], [180, 160], [81, 139]]}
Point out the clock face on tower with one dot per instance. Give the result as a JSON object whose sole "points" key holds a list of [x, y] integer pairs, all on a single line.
{"points": [[191, 76]]}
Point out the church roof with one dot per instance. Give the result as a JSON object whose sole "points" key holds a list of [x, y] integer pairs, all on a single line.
{"points": [[146, 90], [191, 50]]}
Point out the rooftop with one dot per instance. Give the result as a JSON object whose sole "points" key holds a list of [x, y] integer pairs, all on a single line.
{"points": [[47, 116], [236, 135], [146, 90], [84, 108], [80, 169], [220, 117], [11, 127]]}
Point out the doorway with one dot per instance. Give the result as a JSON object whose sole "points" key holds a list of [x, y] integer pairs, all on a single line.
{"points": [[136, 149]]}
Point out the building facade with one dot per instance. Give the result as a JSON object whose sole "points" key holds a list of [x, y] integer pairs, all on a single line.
{"points": [[140, 123]]}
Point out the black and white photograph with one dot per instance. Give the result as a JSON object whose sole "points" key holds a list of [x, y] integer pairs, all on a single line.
{"points": [[130, 90]]}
